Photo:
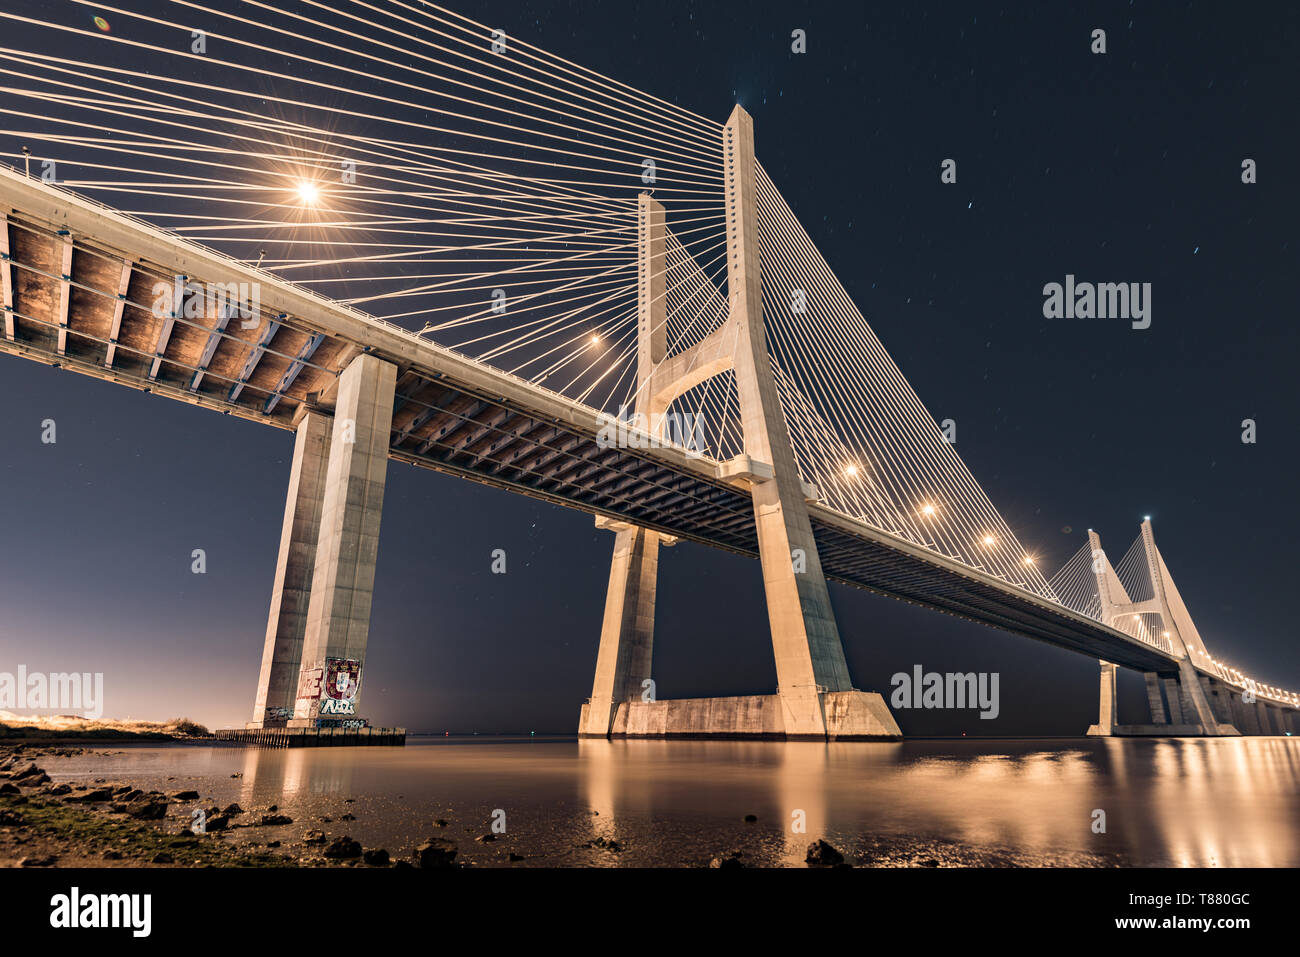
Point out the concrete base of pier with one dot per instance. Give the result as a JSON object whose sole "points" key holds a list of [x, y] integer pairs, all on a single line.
{"points": [[850, 716], [1161, 731], [314, 737]]}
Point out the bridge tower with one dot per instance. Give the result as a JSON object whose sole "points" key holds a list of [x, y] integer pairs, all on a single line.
{"points": [[815, 695], [1185, 706]]}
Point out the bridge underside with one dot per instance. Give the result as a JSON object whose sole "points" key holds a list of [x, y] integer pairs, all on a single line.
{"points": [[449, 413]]}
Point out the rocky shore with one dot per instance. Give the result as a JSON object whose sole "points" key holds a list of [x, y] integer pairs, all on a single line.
{"points": [[114, 824]]}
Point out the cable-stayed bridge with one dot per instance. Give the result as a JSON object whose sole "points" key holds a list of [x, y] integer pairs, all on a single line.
{"points": [[432, 242]]}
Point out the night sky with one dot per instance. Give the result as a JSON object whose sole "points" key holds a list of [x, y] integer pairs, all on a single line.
{"points": [[1122, 167]]}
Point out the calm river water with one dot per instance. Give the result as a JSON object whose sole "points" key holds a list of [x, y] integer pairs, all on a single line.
{"points": [[1226, 802]]}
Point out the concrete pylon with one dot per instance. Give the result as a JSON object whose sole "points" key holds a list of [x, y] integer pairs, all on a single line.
{"points": [[815, 695], [805, 638], [1193, 702], [287, 623], [343, 578]]}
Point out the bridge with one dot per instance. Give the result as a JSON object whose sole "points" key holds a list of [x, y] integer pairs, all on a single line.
{"points": [[621, 315]]}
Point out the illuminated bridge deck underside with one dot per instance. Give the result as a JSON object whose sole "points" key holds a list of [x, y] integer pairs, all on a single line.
{"points": [[80, 285]]}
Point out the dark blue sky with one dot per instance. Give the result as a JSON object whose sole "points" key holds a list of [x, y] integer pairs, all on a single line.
{"points": [[1117, 168]]}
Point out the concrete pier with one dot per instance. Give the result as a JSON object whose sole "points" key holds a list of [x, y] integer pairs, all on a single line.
{"points": [[291, 594], [848, 716], [314, 737], [343, 579]]}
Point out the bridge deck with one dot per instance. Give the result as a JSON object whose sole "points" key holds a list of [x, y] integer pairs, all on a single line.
{"points": [[81, 288]]}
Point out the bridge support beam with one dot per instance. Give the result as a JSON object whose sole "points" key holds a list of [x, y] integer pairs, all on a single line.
{"points": [[338, 615], [1154, 699], [627, 632], [286, 625], [1108, 706]]}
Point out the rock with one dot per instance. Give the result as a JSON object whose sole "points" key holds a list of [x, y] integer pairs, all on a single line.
{"points": [[726, 863], [112, 855], [349, 800], [751, 818], [97, 796], [273, 808], [186, 795], [930, 862], [485, 838], [516, 857], [272, 843], [314, 837], [47, 860], [326, 819], [348, 817], [273, 819], [149, 811], [435, 852], [31, 771], [440, 822], [10, 819], [237, 774], [232, 810], [61, 789], [376, 858], [8, 788], [343, 847], [162, 857], [217, 822], [34, 781], [821, 854], [403, 866]]}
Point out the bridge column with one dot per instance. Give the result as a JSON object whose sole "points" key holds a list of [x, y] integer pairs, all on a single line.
{"points": [[338, 615], [287, 622], [1173, 700], [1154, 700], [1217, 693], [1108, 706], [1266, 717], [627, 632], [1244, 714], [805, 638]]}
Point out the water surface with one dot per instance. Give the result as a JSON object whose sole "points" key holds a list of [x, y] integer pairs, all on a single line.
{"points": [[1226, 802]]}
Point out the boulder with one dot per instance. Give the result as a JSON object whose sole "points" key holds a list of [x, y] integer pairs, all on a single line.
{"points": [[343, 848], [435, 852], [821, 854], [148, 811]]}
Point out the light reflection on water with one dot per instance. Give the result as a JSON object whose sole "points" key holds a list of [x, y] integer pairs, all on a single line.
{"points": [[1189, 802]]}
